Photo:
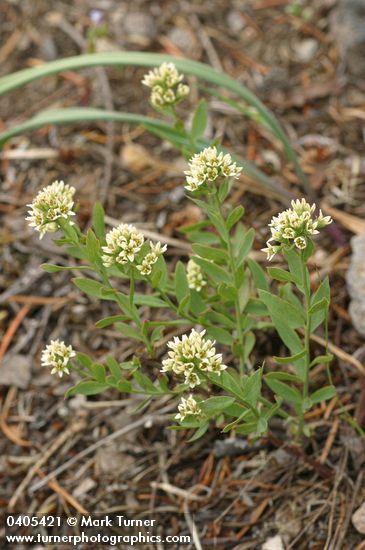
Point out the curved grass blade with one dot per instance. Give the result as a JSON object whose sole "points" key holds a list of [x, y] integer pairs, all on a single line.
{"points": [[157, 127], [145, 59]]}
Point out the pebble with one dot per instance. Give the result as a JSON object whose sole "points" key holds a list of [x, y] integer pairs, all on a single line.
{"points": [[16, 371], [273, 543], [140, 27], [183, 39], [306, 49], [235, 21], [358, 519], [355, 279], [348, 29]]}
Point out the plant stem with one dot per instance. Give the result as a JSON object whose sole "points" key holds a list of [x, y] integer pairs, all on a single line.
{"points": [[307, 332], [232, 266]]}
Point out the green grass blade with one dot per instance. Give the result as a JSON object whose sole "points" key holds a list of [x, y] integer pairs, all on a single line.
{"points": [[162, 129], [145, 59]]}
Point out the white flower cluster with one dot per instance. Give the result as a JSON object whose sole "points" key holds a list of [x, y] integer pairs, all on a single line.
{"points": [[151, 258], [195, 276], [295, 225], [52, 203], [122, 245], [166, 85], [208, 166], [57, 355], [188, 406], [191, 354]]}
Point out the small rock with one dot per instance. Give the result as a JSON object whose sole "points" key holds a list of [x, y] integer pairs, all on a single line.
{"points": [[273, 543], [84, 487], [136, 158], [358, 519], [348, 29], [306, 49], [140, 27], [111, 461], [235, 21], [16, 371], [355, 279], [230, 447], [183, 39]]}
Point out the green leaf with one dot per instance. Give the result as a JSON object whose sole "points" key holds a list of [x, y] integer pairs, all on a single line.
{"points": [[220, 318], [323, 394], [234, 216], [107, 321], [287, 313], [199, 432], [282, 275], [221, 335], [256, 307], [295, 263], [114, 367], [89, 286], [216, 405], [323, 291], [219, 224], [203, 238], [251, 388], [148, 300], [283, 390], [291, 359], [258, 275], [84, 360], [181, 283], [98, 372], [322, 359], [197, 304], [224, 189], [87, 388], [124, 386], [92, 247], [318, 306], [244, 246], [51, 268], [282, 376], [145, 383], [210, 253], [98, 220], [217, 273], [128, 331], [200, 120]]}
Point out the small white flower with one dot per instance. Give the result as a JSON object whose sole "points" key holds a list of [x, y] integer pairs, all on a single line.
{"points": [[151, 258], [294, 226], [209, 166], [51, 204], [190, 354], [166, 86], [57, 355], [195, 276], [188, 406], [122, 245]]}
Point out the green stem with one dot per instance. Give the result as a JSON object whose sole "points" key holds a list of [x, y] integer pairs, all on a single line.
{"points": [[307, 332], [232, 267]]}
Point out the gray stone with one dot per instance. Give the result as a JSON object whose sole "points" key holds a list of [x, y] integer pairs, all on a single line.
{"points": [[355, 279], [183, 39], [306, 49], [348, 29], [140, 27], [358, 519], [16, 371]]}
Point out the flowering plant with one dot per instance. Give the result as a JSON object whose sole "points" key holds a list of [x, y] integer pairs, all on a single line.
{"points": [[220, 295]]}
